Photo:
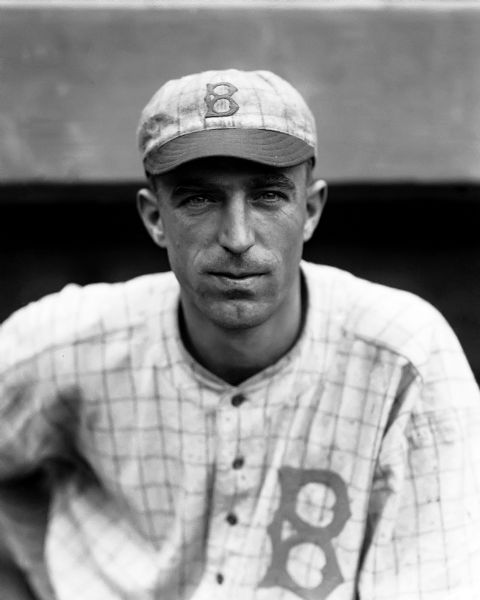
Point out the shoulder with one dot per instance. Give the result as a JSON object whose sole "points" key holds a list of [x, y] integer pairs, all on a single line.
{"points": [[378, 315], [80, 313]]}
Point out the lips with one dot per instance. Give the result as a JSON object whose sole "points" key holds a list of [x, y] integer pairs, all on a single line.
{"points": [[237, 275]]}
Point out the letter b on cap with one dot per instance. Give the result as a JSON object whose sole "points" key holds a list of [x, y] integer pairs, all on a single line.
{"points": [[216, 102]]}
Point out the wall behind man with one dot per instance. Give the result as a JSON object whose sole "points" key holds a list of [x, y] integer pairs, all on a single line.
{"points": [[394, 86]]}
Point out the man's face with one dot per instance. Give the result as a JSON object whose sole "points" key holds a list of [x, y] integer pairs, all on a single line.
{"points": [[234, 232]]}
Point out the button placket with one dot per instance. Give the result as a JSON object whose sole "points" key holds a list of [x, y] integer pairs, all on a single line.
{"points": [[230, 459]]}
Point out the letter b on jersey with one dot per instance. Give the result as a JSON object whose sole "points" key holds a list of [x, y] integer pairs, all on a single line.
{"points": [[301, 533], [219, 100]]}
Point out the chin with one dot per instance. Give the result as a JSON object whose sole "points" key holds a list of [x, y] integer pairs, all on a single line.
{"points": [[237, 314]]}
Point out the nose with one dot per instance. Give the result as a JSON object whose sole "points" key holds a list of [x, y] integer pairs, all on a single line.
{"points": [[236, 233]]}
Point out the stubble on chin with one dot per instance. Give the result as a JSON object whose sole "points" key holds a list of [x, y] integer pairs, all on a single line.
{"points": [[236, 313]]}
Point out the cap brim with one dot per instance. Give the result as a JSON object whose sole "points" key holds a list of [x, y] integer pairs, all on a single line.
{"points": [[258, 145]]}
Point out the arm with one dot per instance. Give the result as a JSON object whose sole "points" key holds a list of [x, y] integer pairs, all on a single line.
{"points": [[423, 538], [35, 429]]}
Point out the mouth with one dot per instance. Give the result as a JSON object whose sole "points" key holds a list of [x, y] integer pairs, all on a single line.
{"points": [[237, 275], [237, 282]]}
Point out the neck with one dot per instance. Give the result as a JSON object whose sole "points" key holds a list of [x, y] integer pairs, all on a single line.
{"points": [[237, 354]]}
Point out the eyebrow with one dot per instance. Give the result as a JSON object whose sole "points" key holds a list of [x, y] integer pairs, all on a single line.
{"points": [[256, 182], [189, 184], [272, 179]]}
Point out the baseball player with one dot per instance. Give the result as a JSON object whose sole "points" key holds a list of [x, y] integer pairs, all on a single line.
{"points": [[249, 426]]}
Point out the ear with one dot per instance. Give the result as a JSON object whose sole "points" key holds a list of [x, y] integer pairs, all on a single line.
{"points": [[147, 205], [316, 199]]}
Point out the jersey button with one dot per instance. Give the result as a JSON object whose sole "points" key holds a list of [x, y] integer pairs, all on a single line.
{"points": [[238, 462], [238, 399], [219, 578], [232, 519]]}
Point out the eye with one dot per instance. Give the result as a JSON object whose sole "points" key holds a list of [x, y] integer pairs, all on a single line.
{"points": [[270, 196], [197, 201]]}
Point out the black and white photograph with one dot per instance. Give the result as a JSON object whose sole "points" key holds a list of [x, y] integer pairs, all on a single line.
{"points": [[239, 300]]}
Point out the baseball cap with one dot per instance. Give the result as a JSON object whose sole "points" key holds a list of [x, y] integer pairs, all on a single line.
{"points": [[254, 115]]}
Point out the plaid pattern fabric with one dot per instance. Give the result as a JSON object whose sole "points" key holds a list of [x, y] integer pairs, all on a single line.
{"points": [[349, 469]]}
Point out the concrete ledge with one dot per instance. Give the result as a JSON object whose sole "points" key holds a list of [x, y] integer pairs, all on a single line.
{"points": [[396, 92]]}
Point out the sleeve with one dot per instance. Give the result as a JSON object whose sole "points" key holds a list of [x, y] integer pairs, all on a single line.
{"points": [[37, 421], [35, 364], [423, 534]]}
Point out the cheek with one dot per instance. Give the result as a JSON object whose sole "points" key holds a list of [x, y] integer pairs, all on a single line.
{"points": [[286, 243], [285, 235], [186, 244]]}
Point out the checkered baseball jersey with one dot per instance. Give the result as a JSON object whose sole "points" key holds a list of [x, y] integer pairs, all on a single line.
{"points": [[350, 469]]}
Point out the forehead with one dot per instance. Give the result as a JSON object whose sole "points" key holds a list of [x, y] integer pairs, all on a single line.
{"points": [[224, 171]]}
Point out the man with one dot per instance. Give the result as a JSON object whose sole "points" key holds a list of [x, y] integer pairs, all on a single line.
{"points": [[250, 426]]}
